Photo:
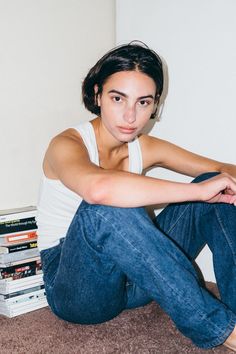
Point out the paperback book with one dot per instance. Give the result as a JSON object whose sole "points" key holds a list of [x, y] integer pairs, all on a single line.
{"points": [[9, 287], [16, 256], [15, 294], [12, 310], [16, 220], [18, 237], [19, 261], [17, 213], [21, 279], [18, 247], [20, 271]]}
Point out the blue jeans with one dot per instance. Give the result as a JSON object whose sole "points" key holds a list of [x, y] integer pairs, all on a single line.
{"points": [[118, 258]]}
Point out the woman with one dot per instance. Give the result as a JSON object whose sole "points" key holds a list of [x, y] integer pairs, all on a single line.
{"points": [[101, 252]]}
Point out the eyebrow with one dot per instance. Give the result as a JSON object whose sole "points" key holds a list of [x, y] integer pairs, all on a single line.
{"points": [[124, 94]]}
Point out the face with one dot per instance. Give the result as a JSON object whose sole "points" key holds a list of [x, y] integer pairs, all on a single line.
{"points": [[127, 102]]}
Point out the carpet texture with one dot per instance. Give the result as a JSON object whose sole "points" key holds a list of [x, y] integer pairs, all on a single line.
{"points": [[145, 330]]}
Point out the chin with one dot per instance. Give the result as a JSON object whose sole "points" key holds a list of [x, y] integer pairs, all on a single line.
{"points": [[127, 139]]}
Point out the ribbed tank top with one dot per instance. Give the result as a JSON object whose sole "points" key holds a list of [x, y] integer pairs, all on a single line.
{"points": [[57, 204]]}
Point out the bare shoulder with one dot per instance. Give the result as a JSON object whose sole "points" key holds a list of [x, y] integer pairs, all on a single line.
{"points": [[63, 148], [65, 140]]}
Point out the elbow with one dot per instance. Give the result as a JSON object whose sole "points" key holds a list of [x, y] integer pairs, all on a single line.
{"points": [[97, 192]]}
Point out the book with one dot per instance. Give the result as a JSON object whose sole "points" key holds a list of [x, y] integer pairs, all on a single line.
{"points": [[19, 261], [21, 279], [33, 287], [23, 301], [24, 298], [18, 247], [14, 310], [20, 255], [18, 237], [16, 220], [18, 225], [7, 288], [17, 213], [21, 270]]}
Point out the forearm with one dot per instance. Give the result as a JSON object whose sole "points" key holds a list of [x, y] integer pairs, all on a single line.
{"points": [[130, 190]]}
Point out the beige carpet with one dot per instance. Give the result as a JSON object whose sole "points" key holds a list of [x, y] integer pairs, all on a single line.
{"points": [[144, 330]]}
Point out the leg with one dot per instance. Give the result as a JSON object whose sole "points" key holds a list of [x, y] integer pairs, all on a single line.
{"points": [[82, 284], [192, 225], [126, 242]]}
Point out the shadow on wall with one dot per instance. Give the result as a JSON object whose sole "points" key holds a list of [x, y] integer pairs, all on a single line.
{"points": [[161, 103]]}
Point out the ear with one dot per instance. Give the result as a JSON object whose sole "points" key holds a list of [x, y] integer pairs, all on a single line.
{"points": [[97, 96], [157, 99]]}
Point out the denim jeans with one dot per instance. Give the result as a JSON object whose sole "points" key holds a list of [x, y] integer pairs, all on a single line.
{"points": [[118, 258]]}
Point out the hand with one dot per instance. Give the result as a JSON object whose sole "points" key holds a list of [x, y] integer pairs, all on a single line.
{"points": [[219, 189]]}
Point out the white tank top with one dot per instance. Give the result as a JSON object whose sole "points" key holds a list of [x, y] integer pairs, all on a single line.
{"points": [[57, 204]]}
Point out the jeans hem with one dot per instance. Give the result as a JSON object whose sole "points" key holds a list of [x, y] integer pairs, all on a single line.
{"points": [[220, 340]]}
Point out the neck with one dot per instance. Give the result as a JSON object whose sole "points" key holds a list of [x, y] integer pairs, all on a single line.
{"points": [[106, 143]]}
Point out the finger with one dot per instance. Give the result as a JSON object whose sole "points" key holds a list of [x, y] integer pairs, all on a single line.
{"points": [[228, 191], [226, 198]]}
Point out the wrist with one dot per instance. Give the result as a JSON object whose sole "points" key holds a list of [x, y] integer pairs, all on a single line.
{"points": [[197, 193]]}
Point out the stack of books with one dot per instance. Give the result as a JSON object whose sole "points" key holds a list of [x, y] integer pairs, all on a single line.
{"points": [[21, 279]]}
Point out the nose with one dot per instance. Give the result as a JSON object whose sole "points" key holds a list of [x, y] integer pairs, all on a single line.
{"points": [[130, 114]]}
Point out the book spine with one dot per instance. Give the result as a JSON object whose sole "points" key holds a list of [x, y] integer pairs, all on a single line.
{"points": [[18, 287], [13, 312], [20, 271], [18, 262], [16, 237], [34, 295], [17, 256], [30, 288], [17, 215], [17, 225], [18, 247]]}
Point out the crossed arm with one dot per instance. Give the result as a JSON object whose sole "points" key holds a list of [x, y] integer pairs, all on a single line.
{"points": [[67, 160]]}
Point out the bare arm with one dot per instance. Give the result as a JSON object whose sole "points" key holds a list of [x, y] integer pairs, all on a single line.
{"points": [[67, 159], [164, 154]]}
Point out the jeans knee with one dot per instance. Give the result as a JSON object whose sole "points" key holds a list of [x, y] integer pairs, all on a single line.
{"points": [[105, 210], [205, 176]]}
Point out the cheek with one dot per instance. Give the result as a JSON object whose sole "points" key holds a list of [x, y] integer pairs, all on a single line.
{"points": [[144, 122], [145, 115], [110, 110]]}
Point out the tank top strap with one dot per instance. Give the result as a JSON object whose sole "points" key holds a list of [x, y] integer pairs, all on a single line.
{"points": [[135, 157], [87, 134]]}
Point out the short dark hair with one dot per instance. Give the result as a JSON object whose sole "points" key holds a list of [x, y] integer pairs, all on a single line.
{"points": [[135, 56]]}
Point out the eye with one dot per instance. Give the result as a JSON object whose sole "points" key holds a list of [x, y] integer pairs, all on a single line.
{"points": [[116, 98], [144, 103]]}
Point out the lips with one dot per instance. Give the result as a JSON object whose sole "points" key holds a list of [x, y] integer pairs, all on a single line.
{"points": [[127, 130]]}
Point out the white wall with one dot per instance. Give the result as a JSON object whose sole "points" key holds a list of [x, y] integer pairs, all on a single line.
{"points": [[197, 40], [46, 48]]}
